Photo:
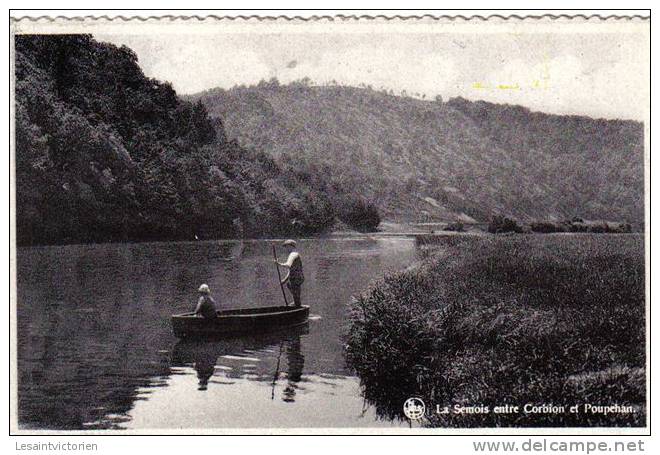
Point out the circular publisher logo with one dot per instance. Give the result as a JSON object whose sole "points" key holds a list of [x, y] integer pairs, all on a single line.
{"points": [[414, 408]]}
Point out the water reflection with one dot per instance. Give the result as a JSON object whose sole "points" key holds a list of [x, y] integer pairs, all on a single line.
{"points": [[296, 362], [205, 356]]}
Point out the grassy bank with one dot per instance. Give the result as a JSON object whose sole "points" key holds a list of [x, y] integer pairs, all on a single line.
{"points": [[491, 321]]}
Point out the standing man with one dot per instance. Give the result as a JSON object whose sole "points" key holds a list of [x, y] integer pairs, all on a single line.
{"points": [[295, 278]]}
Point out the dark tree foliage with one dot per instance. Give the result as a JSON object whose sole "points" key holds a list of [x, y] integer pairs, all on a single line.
{"points": [[104, 153]]}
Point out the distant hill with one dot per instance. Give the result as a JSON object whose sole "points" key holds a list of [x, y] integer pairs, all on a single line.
{"points": [[424, 160]]}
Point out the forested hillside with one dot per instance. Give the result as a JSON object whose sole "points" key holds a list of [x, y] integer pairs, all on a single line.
{"points": [[432, 160], [104, 153]]}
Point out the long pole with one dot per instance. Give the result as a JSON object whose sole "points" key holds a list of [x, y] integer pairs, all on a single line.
{"points": [[279, 276]]}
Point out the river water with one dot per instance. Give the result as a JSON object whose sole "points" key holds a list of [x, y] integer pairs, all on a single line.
{"points": [[96, 350]]}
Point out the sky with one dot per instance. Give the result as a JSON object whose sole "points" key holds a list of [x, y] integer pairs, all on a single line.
{"points": [[603, 75]]}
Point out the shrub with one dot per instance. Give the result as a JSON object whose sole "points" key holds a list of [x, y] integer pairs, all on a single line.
{"points": [[455, 227], [500, 223], [600, 227], [547, 227], [359, 214]]}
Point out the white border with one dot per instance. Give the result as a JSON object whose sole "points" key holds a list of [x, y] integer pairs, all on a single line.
{"points": [[178, 444]]}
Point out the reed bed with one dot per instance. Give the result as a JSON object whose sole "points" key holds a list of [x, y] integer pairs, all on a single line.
{"points": [[490, 321]]}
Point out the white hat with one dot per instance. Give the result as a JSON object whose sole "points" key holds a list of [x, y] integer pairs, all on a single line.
{"points": [[204, 288], [289, 243]]}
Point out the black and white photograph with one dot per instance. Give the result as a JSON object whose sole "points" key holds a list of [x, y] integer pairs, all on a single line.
{"points": [[346, 224]]}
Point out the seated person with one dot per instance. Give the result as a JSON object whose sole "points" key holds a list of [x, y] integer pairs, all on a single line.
{"points": [[205, 305]]}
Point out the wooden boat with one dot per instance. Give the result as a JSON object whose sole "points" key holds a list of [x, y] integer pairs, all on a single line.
{"points": [[235, 321]]}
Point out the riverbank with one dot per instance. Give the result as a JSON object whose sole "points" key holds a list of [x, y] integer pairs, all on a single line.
{"points": [[555, 320]]}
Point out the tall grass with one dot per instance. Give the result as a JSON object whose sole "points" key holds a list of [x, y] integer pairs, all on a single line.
{"points": [[516, 320]]}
